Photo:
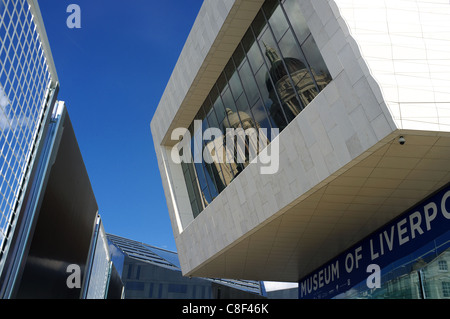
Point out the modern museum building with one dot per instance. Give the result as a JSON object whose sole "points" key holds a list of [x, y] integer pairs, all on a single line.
{"points": [[309, 141]]}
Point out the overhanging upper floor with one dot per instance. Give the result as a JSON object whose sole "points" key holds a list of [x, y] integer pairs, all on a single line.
{"points": [[342, 172]]}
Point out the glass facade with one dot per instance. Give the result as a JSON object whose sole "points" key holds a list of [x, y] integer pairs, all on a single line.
{"points": [[411, 253], [273, 74], [97, 287], [149, 272], [25, 81], [424, 274]]}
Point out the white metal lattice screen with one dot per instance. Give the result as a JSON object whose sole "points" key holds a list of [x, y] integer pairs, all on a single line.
{"points": [[24, 82]]}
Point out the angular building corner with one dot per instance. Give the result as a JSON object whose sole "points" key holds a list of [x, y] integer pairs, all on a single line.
{"points": [[360, 95]]}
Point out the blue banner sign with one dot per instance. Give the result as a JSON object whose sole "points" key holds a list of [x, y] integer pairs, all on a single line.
{"points": [[401, 237]]}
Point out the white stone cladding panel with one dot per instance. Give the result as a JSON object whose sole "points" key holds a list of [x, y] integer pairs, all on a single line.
{"points": [[406, 45]]}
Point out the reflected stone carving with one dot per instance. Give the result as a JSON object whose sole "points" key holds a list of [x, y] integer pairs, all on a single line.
{"points": [[282, 71], [247, 139]]}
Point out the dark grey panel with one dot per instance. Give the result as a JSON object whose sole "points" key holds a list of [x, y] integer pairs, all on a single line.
{"points": [[18, 235], [115, 287], [224, 292], [64, 226]]}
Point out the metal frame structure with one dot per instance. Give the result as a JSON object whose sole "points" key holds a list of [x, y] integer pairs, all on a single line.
{"points": [[29, 87]]}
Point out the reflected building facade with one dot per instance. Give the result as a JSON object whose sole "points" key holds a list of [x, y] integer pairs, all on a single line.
{"points": [[294, 84]]}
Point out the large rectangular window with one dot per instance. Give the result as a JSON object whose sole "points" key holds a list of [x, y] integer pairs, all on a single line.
{"points": [[274, 73]]}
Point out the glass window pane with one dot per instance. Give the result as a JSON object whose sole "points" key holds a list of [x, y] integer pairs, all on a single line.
{"points": [[230, 109], [196, 145], [214, 150], [269, 95], [243, 107], [200, 175], [280, 65], [276, 18], [206, 173], [214, 181], [218, 164], [196, 209], [260, 114], [228, 172], [251, 47], [235, 86], [296, 19], [220, 113], [249, 83], [190, 187], [206, 191], [212, 118], [301, 77], [266, 42], [289, 48]]}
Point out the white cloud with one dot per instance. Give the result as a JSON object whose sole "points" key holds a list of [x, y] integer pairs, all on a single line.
{"points": [[3, 99], [275, 285], [4, 102], [5, 121]]}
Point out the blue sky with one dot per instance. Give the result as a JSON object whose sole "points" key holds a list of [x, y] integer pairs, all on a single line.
{"points": [[112, 73]]}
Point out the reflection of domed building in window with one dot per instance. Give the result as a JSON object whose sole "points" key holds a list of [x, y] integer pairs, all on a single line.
{"points": [[303, 83], [235, 119], [249, 140], [228, 162]]}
